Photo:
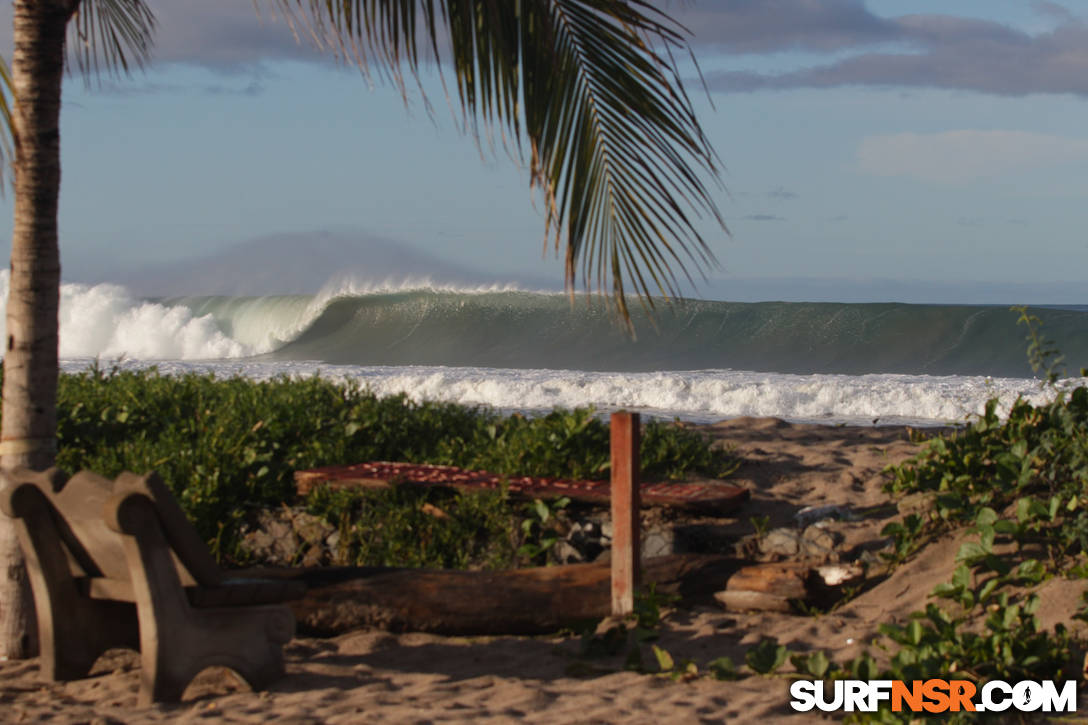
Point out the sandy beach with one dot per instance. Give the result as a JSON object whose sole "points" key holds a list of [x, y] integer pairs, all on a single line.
{"points": [[373, 676]]}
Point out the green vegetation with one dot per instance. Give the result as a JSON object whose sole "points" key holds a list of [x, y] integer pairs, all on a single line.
{"points": [[630, 634], [420, 527], [1018, 488], [229, 446], [541, 529]]}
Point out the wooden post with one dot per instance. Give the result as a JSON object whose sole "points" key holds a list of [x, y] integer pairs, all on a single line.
{"points": [[625, 512]]}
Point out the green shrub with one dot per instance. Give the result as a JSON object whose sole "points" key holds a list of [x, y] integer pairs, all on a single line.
{"points": [[1030, 471], [413, 526], [227, 446], [1022, 480]]}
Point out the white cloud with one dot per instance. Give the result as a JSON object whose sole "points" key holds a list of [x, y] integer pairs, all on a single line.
{"points": [[959, 157]]}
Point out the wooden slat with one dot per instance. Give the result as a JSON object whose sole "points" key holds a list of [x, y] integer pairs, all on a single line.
{"points": [[710, 498], [625, 512]]}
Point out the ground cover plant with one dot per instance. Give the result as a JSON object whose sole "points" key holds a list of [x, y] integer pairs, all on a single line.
{"points": [[1017, 486], [1015, 489], [230, 446]]}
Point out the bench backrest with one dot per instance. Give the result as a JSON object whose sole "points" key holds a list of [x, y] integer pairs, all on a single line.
{"points": [[96, 550]]}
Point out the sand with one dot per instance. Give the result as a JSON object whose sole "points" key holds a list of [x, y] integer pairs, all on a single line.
{"points": [[419, 678]]}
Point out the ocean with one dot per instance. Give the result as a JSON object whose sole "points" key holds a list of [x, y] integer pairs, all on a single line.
{"points": [[526, 351]]}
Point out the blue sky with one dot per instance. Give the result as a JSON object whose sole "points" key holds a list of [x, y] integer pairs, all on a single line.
{"points": [[880, 149]]}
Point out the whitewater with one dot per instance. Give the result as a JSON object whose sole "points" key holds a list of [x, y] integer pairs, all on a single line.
{"points": [[518, 350]]}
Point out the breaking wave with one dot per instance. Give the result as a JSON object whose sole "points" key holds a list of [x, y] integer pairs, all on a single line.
{"points": [[519, 350], [414, 323]]}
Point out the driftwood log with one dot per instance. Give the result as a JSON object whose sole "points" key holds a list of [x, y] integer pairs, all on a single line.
{"points": [[522, 601], [779, 587], [542, 599]]}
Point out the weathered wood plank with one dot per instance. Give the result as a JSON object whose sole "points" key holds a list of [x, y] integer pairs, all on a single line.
{"points": [[708, 497], [625, 511]]}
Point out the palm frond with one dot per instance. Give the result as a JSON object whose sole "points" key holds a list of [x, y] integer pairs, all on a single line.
{"points": [[111, 36], [104, 34], [592, 88], [7, 125]]}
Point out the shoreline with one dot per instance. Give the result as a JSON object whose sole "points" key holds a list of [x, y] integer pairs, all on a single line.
{"points": [[701, 397]]}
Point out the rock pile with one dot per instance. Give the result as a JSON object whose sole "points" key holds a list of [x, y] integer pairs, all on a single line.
{"points": [[291, 537], [809, 562]]}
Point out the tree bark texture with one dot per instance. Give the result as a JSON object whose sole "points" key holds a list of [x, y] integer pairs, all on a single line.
{"points": [[521, 601], [28, 431]]}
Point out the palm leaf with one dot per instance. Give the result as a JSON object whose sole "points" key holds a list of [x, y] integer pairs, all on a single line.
{"points": [[110, 35], [7, 125], [105, 35], [592, 89]]}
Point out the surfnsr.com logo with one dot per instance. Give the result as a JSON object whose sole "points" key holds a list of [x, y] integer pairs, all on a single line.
{"points": [[933, 696]]}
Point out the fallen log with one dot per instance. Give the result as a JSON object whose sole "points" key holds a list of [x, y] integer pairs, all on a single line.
{"points": [[521, 601], [764, 587]]}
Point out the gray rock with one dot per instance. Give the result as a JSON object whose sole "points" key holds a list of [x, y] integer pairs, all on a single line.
{"points": [[314, 556], [868, 558], [658, 542], [277, 548], [566, 554], [781, 542], [817, 542], [289, 537], [606, 529], [577, 536], [310, 528]]}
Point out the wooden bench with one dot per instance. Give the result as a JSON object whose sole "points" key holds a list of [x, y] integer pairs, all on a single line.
{"points": [[117, 564]]}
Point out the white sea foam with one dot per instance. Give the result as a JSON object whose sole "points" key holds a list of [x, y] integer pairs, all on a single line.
{"points": [[106, 321], [701, 396], [348, 286], [257, 324]]}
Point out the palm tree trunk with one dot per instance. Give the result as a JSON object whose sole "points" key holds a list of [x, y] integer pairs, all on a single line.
{"points": [[29, 425]]}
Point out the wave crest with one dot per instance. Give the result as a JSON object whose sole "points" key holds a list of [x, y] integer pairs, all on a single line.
{"points": [[416, 322], [106, 321]]}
